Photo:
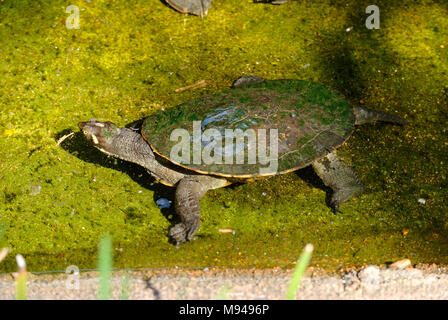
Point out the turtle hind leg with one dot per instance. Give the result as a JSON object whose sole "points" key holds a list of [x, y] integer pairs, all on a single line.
{"points": [[189, 191], [364, 115], [196, 7], [341, 178]]}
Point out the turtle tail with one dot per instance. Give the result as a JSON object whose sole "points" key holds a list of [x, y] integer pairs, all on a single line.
{"points": [[364, 115]]}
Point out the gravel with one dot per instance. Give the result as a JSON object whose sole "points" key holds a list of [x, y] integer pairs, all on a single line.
{"points": [[371, 282]]}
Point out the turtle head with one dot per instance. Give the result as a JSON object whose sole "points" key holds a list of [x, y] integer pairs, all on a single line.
{"points": [[122, 143], [100, 134]]}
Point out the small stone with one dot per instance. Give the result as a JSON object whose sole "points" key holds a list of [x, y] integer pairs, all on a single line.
{"points": [[163, 203], [371, 274], [400, 264], [421, 201]]}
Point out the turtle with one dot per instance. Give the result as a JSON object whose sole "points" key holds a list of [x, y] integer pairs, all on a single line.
{"points": [[200, 7], [306, 121]]}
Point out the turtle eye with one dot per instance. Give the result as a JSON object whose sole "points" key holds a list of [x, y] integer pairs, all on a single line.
{"points": [[85, 132]]}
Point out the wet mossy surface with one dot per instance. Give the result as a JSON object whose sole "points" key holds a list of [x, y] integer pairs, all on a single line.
{"points": [[126, 61]]}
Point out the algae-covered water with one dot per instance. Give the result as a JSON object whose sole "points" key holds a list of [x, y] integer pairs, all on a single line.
{"points": [[127, 59]]}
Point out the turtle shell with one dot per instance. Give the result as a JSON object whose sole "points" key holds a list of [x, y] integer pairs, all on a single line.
{"points": [[287, 124]]}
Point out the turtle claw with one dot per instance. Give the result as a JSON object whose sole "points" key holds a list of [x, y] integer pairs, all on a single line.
{"points": [[178, 233], [181, 233], [341, 195], [335, 201], [334, 204]]}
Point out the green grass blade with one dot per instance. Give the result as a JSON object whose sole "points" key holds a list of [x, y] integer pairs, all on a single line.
{"points": [[21, 287], [21, 278], [299, 270], [105, 267], [3, 253], [224, 292], [126, 286]]}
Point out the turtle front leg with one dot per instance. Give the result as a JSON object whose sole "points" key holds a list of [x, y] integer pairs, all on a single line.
{"points": [[189, 191], [341, 178]]}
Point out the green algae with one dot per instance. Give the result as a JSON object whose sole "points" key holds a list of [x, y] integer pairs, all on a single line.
{"points": [[125, 62]]}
